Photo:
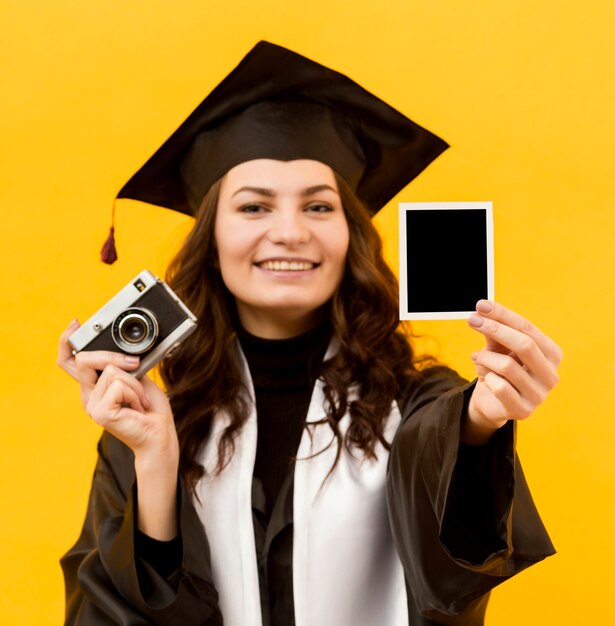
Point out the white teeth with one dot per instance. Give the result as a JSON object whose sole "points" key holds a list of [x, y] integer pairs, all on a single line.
{"points": [[287, 266]]}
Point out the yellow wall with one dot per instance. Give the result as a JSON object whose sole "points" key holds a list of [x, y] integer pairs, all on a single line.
{"points": [[522, 90]]}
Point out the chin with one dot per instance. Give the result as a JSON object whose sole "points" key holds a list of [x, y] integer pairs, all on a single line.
{"points": [[294, 308]]}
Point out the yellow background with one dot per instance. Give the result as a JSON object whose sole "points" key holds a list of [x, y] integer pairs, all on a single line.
{"points": [[522, 90]]}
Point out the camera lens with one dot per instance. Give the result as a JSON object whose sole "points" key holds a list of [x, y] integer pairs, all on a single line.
{"points": [[135, 330]]}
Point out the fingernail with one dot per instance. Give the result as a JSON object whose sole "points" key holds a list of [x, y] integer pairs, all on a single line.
{"points": [[474, 356], [475, 320], [484, 306], [131, 359], [74, 323]]}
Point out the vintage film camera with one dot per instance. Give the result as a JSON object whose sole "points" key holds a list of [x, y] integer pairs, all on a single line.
{"points": [[145, 318]]}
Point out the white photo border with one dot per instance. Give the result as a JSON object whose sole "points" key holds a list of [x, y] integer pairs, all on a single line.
{"points": [[404, 207]]}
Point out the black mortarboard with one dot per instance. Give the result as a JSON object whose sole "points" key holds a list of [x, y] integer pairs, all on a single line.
{"points": [[278, 104]]}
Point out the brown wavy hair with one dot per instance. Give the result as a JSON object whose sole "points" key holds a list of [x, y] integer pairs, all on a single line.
{"points": [[205, 376]]}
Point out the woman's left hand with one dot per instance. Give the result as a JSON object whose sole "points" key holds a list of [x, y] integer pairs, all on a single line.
{"points": [[516, 369]]}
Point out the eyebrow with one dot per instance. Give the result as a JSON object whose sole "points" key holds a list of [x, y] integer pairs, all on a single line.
{"points": [[308, 191]]}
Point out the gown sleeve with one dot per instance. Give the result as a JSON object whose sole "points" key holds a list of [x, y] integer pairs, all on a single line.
{"points": [[107, 582], [462, 517]]}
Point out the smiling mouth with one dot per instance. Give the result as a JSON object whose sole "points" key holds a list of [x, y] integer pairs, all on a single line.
{"points": [[287, 266]]}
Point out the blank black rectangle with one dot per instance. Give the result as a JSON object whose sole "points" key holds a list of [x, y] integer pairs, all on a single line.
{"points": [[446, 259]]}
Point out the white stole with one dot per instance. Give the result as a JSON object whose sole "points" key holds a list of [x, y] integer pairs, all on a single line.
{"points": [[345, 566]]}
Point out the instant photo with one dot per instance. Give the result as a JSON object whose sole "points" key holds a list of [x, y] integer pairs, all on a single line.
{"points": [[446, 258]]}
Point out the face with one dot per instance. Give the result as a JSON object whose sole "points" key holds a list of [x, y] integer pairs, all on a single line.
{"points": [[282, 239]]}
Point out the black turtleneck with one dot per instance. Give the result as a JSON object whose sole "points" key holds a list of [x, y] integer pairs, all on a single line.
{"points": [[283, 373]]}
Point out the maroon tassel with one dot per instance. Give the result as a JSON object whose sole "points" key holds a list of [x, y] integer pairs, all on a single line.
{"points": [[108, 254]]}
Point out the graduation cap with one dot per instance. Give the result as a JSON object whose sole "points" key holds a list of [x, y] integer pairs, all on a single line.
{"points": [[277, 104]]}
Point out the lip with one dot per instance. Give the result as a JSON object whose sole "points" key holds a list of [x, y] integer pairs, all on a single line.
{"points": [[286, 265]]}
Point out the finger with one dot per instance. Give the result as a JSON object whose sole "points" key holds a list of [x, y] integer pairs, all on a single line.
{"points": [[111, 375], [514, 405], [66, 358], [508, 368], [90, 363], [496, 311], [521, 345], [122, 422], [118, 402], [482, 370]]}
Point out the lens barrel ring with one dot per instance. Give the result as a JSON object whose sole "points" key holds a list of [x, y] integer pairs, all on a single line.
{"points": [[135, 330]]}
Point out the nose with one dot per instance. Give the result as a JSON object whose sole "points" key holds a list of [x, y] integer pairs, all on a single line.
{"points": [[289, 229]]}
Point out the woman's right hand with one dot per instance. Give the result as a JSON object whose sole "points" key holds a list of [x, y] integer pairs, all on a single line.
{"points": [[137, 413]]}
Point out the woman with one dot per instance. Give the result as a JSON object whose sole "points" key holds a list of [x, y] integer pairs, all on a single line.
{"points": [[374, 493]]}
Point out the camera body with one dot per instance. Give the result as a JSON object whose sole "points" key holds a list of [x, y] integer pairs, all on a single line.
{"points": [[145, 319]]}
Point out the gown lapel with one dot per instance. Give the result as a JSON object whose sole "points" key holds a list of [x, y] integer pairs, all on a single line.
{"points": [[345, 565], [224, 505]]}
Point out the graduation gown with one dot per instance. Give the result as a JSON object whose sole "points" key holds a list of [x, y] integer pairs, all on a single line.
{"points": [[461, 519]]}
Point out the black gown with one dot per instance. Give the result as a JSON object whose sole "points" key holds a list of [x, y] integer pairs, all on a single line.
{"points": [[462, 519]]}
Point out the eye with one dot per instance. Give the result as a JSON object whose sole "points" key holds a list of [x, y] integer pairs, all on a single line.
{"points": [[319, 208], [251, 209]]}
